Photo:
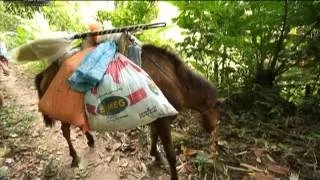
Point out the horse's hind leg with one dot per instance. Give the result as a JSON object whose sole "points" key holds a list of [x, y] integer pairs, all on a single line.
{"points": [[65, 127], [154, 139], [90, 139], [164, 132]]}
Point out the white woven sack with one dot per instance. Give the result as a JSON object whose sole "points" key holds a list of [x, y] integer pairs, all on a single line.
{"points": [[126, 98]]}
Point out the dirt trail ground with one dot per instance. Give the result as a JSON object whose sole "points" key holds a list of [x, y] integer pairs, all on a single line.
{"points": [[256, 150]]}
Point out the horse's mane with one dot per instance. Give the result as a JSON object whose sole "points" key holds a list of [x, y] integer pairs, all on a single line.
{"points": [[185, 74]]}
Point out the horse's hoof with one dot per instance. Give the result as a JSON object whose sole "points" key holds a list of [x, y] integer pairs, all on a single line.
{"points": [[160, 162], [75, 162], [90, 139]]}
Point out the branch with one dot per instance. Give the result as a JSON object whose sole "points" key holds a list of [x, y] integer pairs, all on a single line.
{"points": [[306, 34], [223, 56], [299, 59], [281, 68], [262, 54], [281, 38]]}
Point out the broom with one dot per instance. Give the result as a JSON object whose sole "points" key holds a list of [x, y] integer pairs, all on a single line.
{"points": [[53, 48]]}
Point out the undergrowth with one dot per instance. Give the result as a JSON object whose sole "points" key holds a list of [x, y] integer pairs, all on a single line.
{"points": [[35, 67]]}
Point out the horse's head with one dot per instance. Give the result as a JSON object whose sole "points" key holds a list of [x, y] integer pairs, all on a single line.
{"points": [[210, 116]]}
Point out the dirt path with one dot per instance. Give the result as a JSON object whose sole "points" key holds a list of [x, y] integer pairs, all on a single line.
{"points": [[42, 153]]}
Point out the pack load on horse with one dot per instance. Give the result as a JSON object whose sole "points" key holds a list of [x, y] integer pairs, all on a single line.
{"points": [[162, 74], [118, 93]]}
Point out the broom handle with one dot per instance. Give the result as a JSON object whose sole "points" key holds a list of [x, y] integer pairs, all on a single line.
{"points": [[117, 30]]}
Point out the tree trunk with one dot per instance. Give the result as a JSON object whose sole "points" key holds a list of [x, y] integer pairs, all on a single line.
{"points": [[265, 77], [308, 91], [216, 71], [223, 71]]}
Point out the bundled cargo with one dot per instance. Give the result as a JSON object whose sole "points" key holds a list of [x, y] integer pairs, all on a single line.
{"points": [[106, 92], [60, 101], [125, 98]]}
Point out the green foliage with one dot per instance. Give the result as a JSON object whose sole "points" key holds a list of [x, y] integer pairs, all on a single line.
{"points": [[36, 67], [11, 21], [18, 31], [261, 104], [7, 21], [153, 36], [246, 36], [64, 16], [130, 13], [310, 106], [22, 9], [238, 44], [26, 21], [137, 12]]}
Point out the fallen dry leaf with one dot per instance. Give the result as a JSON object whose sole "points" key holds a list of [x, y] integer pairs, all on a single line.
{"points": [[164, 177], [100, 155], [258, 153], [222, 143], [190, 168], [248, 166], [116, 146], [124, 164], [246, 177], [261, 176], [240, 153], [189, 152], [270, 158], [109, 158], [278, 169], [144, 167]]}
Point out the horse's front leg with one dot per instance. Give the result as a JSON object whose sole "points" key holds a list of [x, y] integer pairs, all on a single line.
{"points": [[65, 127], [164, 131]]}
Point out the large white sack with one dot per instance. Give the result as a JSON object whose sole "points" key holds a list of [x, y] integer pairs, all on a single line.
{"points": [[126, 98]]}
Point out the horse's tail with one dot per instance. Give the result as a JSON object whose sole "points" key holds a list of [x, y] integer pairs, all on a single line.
{"points": [[42, 82], [42, 50]]}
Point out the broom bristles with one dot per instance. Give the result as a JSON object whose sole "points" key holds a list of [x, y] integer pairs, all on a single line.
{"points": [[42, 49]]}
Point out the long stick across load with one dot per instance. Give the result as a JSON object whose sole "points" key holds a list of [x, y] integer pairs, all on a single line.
{"points": [[52, 48], [118, 30]]}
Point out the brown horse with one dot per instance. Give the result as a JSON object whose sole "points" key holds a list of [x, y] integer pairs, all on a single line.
{"points": [[182, 87]]}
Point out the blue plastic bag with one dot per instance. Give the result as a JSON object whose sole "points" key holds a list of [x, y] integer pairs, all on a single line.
{"points": [[134, 54], [92, 68]]}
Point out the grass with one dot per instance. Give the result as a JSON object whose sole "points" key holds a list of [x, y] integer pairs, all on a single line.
{"points": [[14, 121], [35, 67]]}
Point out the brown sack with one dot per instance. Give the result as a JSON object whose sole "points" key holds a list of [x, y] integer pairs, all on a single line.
{"points": [[60, 101]]}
